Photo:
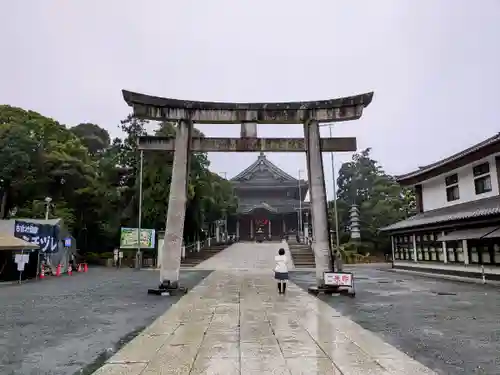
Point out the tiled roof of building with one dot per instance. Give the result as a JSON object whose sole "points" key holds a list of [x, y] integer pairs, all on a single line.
{"points": [[463, 211], [443, 162], [273, 206], [265, 163]]}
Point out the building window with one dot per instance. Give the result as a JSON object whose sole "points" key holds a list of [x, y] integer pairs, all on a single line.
{"points": [[455, 251], [482, 178], [428, 249], [452, 191], [496, 254]]}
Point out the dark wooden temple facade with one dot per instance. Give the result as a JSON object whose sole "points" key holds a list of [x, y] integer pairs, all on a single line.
{"points": [[269, 202]]}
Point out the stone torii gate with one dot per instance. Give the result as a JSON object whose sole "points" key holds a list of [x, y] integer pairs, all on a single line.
{"points": [[185, 113]]}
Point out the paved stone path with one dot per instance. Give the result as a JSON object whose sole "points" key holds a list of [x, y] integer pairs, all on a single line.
{"points": [[246, 255], [234, 322]]}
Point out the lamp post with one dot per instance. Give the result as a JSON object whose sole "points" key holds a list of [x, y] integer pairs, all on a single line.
{"points": [[299, 218], [47, 207], [139, 215]]}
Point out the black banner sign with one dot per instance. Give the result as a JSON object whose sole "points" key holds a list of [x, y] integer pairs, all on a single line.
{"points": [[44, 235]]}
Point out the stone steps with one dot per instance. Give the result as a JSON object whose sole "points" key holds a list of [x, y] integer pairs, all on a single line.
{"points": [[194, 258], [302, 256]]}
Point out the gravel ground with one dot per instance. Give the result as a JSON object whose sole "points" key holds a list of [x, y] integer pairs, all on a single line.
{"points": [[67, 325], [451, 327]]}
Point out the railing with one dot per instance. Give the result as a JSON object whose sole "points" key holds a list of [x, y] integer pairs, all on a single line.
{"points": [[149, 260], [200, 245]]}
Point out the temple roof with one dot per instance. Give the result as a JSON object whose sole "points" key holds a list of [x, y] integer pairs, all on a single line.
{"points": [[467, 156], [277, 206], [263, 164], [481, 208]]}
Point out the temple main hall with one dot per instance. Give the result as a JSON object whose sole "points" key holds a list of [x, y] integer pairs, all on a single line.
{"points": [[269, 202]]}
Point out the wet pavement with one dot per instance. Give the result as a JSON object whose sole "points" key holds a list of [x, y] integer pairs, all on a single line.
{"points": [[60, 326], [235, 322], [451, 327]]}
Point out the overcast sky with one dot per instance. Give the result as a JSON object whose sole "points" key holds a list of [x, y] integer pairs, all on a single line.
{"points": [[434, 66]]}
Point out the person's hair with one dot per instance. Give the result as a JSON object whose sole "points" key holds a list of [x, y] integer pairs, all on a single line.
{"points": [[281, 251]]}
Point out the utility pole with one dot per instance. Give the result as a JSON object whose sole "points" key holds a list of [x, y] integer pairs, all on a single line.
{"points": [[334, 183], [299, 221]]}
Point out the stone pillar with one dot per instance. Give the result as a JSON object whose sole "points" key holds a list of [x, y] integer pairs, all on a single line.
{"points": [[237, 228], [283, 224], [251, 228], [414, 239], [269, 228], [317, 193], [445, 250], [393, 249], [217, 232], [308, 162], [248, 130], [465, 249], [172, 247], [306, 226]]}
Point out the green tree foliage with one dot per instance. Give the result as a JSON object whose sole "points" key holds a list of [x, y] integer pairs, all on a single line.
{"points": [[381, 200], [93, 137], [94, 181]]}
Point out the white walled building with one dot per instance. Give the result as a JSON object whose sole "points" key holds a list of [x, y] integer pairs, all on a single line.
{"points": [[457, 228]]}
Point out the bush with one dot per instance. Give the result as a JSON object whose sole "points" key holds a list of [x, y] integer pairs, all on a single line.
{"points": [[353, 252], [92, 258]]}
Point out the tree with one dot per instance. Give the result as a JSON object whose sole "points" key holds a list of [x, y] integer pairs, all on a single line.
{"points": [[95, 138], [93, 181], [381, 200], [39, 157]]}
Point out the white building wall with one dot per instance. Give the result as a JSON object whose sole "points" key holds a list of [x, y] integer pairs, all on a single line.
{"points": [[434, 190]]}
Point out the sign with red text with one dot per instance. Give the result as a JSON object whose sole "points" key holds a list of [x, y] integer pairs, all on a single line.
{"points": [[338, 278]]}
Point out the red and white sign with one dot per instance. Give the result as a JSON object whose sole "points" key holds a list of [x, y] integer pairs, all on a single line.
{"points": [[338, 278]]}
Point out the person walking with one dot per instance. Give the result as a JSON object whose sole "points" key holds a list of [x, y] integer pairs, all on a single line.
{"points": [[281, 270]]}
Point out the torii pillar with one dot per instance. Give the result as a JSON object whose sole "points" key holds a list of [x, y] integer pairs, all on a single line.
{"points": [[185, 113]]}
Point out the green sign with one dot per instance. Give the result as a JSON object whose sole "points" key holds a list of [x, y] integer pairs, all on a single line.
{"points": [[128, 238]]}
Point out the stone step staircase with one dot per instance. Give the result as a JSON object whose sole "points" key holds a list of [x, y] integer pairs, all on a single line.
{"points": [[196, 257], [302, 255]]}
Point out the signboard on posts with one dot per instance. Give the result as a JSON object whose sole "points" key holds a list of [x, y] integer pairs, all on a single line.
{"points": [[128, 238], [338, 279]]}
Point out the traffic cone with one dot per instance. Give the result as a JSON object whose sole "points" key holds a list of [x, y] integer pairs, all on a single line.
{"points": [[80, 268], [85, 267], [58, 270], [42, 272], [70, 270]]}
